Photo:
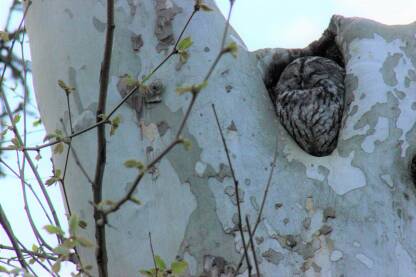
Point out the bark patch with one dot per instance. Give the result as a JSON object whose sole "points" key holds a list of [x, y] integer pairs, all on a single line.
{"points": [[166, 10]]}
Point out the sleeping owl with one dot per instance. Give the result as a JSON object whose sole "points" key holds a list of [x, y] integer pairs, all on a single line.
{"points": [[309, 99]]}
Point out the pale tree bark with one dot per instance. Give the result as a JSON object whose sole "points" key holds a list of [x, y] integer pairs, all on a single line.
{"points": [[349, 213]]}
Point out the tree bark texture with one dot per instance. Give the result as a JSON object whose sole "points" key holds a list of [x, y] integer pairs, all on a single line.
{"points": [[348, 213]]}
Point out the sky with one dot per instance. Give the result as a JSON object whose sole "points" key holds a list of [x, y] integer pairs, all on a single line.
{"points": [[291, 23], [262, 24]]}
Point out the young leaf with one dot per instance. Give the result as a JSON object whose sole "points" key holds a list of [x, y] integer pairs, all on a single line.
{"points": [[61, 250], [16, 118], [196, 88], [185, 44], [59, 148], [35, 248], [147, 273], [37, 122], [205, 7], [16, 142], [84, 242], [160, 263], [187, 144], [56, 267], [51, 229], [179, 267], [4, 36], [183, 57], [51, 181], [73, 224], [115, 123], [57, 173], [134, 164], [3, 269], [200, 5], [232, 49], [65, 87], [68, 243], [135, 200]]}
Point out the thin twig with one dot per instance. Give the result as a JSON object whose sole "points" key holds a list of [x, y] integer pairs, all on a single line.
{"points": [[9, 231], [31, 253], [237, 193], [253, 249], [153, 255], [263, 201], [75, 156], [30, 187], [62, 180]]}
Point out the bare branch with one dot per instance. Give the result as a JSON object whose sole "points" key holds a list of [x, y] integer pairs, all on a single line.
{"points": [[236, 191], [153, 254], [101, 250], [253, 249], [9, 231], [263, 201]]}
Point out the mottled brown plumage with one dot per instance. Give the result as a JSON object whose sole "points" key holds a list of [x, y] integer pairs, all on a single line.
{"points": [[310, 102]]}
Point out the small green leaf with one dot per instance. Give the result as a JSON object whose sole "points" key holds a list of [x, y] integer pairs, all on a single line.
{"points": [[129, 81], [16, 118], [200, 5], [56, 267], [32, 261], [183, 57], [115, 123], [147, 273], [3, 269], [134, 164], [73, 223], [65, 87], [59, 148], [179, 267], [35, 248], [205, 7], [61, 250], [193, 89], [185, 44], [51, 229], [232, 49], [16, 142], [182, 90], [58, 173], [160, 263], [84, 242], [135, 200], [4, 36], [37, 122], [187, 144], [51, 181], [68, 243]]}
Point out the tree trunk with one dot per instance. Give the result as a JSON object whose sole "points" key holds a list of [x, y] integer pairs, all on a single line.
{"points": [[348, 213]]}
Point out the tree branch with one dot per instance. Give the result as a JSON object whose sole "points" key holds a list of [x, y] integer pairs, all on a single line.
{"points": [[101, 250], [9, 231]]}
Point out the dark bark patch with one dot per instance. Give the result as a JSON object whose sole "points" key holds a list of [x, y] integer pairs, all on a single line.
{"points": [[166, 10], [136, 42]]}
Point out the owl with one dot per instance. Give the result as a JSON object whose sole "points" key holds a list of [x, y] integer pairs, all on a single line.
{"points": [[309, 99]]}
